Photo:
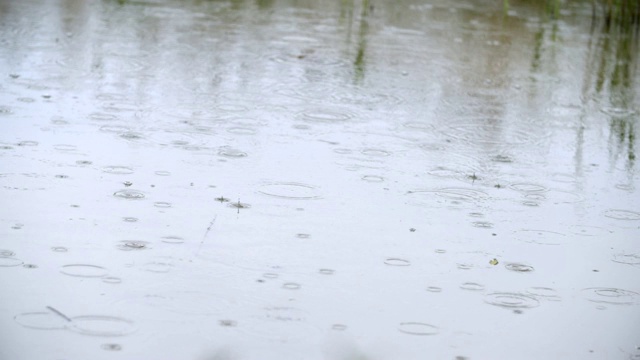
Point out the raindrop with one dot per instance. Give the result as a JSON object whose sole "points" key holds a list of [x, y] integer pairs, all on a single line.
{"points": [[65, 147], [44, 320], [326, 271], [629, 259], [622, 214], [270, 275], [10, 262], [128, 245], [111, 280], [116, 129], [6, 253], [525, 187], [118, 170], [84, 270], [483, 224], [339, 327], [373, 178], [434, 289], [30, 266], [511, 300], [418, 328], [129, 194], [325, 116], [303, 236], [129, 219], [375, 152], [440, 251], [518, 267], [172, 239], [611, 296], [102, 117], [163, 173], [397, 262], [544, 293], [297, 191], [231, 153], [111, 347], [27, 143], [84, 162], [465, 266], [239, 205], [291, 286], [241, 131], [101, 325], [158, 267], [162, 204], [472, 286], [130, 135], [228, 323]]}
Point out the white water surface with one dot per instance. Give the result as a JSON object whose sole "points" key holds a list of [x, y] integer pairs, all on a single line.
{"points": [[281, 179]]}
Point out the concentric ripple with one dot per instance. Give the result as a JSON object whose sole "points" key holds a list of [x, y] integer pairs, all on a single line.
{"points": [[290, 190], [611, 296], [84, 270], [102, 325], [418, 328], [511, 300], [622, 214], [129, 194]]}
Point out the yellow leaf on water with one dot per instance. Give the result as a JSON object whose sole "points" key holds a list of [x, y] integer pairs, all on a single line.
{"points": [[493, 261]]}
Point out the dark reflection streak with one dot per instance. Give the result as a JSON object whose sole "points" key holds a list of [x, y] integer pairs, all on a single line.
{"points": [[359, 63]]}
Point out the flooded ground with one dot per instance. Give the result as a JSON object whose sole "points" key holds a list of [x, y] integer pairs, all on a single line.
{"points": [[318, 180]]}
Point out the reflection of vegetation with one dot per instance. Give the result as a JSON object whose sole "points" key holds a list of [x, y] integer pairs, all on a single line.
{"points": [[362, 41]]}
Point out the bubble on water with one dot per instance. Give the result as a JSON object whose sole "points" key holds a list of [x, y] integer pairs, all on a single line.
{"points": [[111, 280], [44, 320], [102, 325], [102, 117], [375, 152], [162, 173], [326, 271], [472, 286], [619, 214], [434, 289], [511, 300], [162, 204], [544, 293], [129, 245], [129, 194], [373, 178], [629, 259], [65, 147], [84, 270], [541, 237], [418, 328], [111, 347], [397, 262], [611, 296], [518, 267], [118, 170], [527, 187], [290, 190], [291, 286], [173, 239]]}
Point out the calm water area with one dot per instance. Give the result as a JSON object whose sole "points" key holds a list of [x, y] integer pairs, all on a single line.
{"points": [[316, 179]]}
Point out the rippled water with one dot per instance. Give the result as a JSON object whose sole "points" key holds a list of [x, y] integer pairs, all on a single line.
{"points": [[318, 180]]}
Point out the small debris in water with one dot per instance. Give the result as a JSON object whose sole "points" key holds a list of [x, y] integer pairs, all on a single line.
{"points": [[412, 230], [493, 261], [222, 199], [127, 183]]}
